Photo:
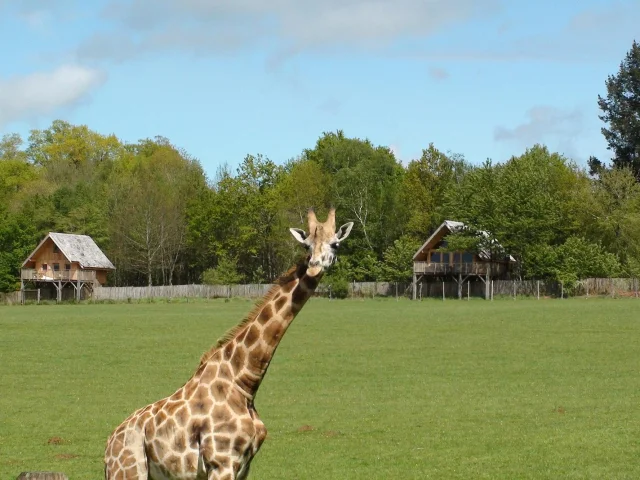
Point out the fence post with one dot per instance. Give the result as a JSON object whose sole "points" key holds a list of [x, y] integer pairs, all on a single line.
{"points": [[514, 289], [38, 296], [635, 284], [613, 290], [538, 287], [443, 290], [420, 291], [396, 291], [468, 287], [492, 290], [561, 290]]}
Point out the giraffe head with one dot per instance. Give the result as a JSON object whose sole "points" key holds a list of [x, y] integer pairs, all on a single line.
{"points": [[322, 241]]}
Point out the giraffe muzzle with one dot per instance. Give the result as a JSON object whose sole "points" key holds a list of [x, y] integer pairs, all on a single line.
{"points": [[314, 270]]}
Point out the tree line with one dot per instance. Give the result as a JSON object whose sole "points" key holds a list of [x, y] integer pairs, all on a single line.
{"points": [[157, 215]]}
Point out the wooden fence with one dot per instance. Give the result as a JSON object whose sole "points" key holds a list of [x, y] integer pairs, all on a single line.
{"points": [[10, 298], [612, 287], [181, 291]]}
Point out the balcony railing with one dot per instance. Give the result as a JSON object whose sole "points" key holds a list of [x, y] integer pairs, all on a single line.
{"points": [[435, 268], [52, 276]]}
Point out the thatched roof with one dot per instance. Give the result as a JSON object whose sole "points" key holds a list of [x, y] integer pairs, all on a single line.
{"points": [[77, 248]]}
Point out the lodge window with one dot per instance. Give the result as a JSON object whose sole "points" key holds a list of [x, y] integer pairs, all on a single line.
{"points": [[56, 249], [44, 267], [445, 257], [56, 267], [467, 257], [456, 258], [435, 257], [67, 266]]}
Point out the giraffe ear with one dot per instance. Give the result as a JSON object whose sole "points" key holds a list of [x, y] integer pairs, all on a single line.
{"points": [[344, 231], [299, 234]]}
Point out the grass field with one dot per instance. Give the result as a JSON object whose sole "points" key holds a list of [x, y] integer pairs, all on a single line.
{"points": [[374, 389]]}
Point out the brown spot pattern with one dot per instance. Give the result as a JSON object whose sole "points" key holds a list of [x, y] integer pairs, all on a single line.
{"points": [[265, 314], [252, 336], [280, 303]]}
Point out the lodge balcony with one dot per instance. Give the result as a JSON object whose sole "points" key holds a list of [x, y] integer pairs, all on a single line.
{"points": [[471, 268], [31, 274]]}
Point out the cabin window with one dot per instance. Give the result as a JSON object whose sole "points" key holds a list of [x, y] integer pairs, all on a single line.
{"points": [[67, 266], [456, 258], [56, 249], [56, 267], [44, 267], [467, 257], [445, 257], [435, 257]]}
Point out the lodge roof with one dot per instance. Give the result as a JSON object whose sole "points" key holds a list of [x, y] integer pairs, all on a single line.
{"points": [[77, 248], [452, 226]]}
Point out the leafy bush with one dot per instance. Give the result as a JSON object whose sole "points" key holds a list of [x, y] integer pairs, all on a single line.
{"points": [[339, 286], [226, 273]]}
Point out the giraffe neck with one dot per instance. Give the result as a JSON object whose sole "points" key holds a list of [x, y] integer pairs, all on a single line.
{"points": [[250, 350]]}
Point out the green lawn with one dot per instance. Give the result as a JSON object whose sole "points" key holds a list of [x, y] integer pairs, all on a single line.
{"points": [[374, 389]]}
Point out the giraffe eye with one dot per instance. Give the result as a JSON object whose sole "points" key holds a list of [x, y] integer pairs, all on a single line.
{"points": [[335, 245]]}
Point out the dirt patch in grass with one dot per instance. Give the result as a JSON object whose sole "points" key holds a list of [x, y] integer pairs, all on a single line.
{"points": [[66, 456], [56, 441]]}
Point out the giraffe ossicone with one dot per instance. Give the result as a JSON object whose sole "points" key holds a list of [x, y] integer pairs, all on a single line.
{"points": [[209, 428]]}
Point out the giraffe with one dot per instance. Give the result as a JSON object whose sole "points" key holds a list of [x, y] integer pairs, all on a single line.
{"points": [[209, 428]]}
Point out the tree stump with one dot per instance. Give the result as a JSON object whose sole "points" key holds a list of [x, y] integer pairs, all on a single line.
{"points": [[42, 476]]}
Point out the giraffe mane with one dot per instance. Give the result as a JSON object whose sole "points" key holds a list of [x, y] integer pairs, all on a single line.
{"points": [[283, 279]]}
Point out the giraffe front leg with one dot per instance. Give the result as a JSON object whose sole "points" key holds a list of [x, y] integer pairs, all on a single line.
{"points": [[217, 459], [221, 474], [226, 457]]}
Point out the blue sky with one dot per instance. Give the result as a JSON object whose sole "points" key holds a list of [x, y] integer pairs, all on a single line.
{"points": [[226, 78]]}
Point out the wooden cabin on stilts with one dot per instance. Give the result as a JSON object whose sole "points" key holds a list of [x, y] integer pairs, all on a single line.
{"points": [[435, 261], [65, 260]]}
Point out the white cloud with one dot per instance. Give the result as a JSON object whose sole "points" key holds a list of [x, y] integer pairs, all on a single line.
{"points": [[284, 26], [43, 93], [545, 125], [593, 34]]}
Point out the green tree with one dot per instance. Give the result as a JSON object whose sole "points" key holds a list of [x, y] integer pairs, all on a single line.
{"points": [[17, 239], [621, 111], [531, 200], [398, 259], [613, 216], [578, 258], [149, 192], [426, 181], [225, 273], [72, 153], [366, 185], [10, 147]]}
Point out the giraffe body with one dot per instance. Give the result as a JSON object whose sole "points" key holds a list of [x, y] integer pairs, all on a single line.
{"points": [[209, 428]]}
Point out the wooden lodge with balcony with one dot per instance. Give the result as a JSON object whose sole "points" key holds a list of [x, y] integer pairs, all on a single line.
{"points": [[64, 261], [434, 262]]}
